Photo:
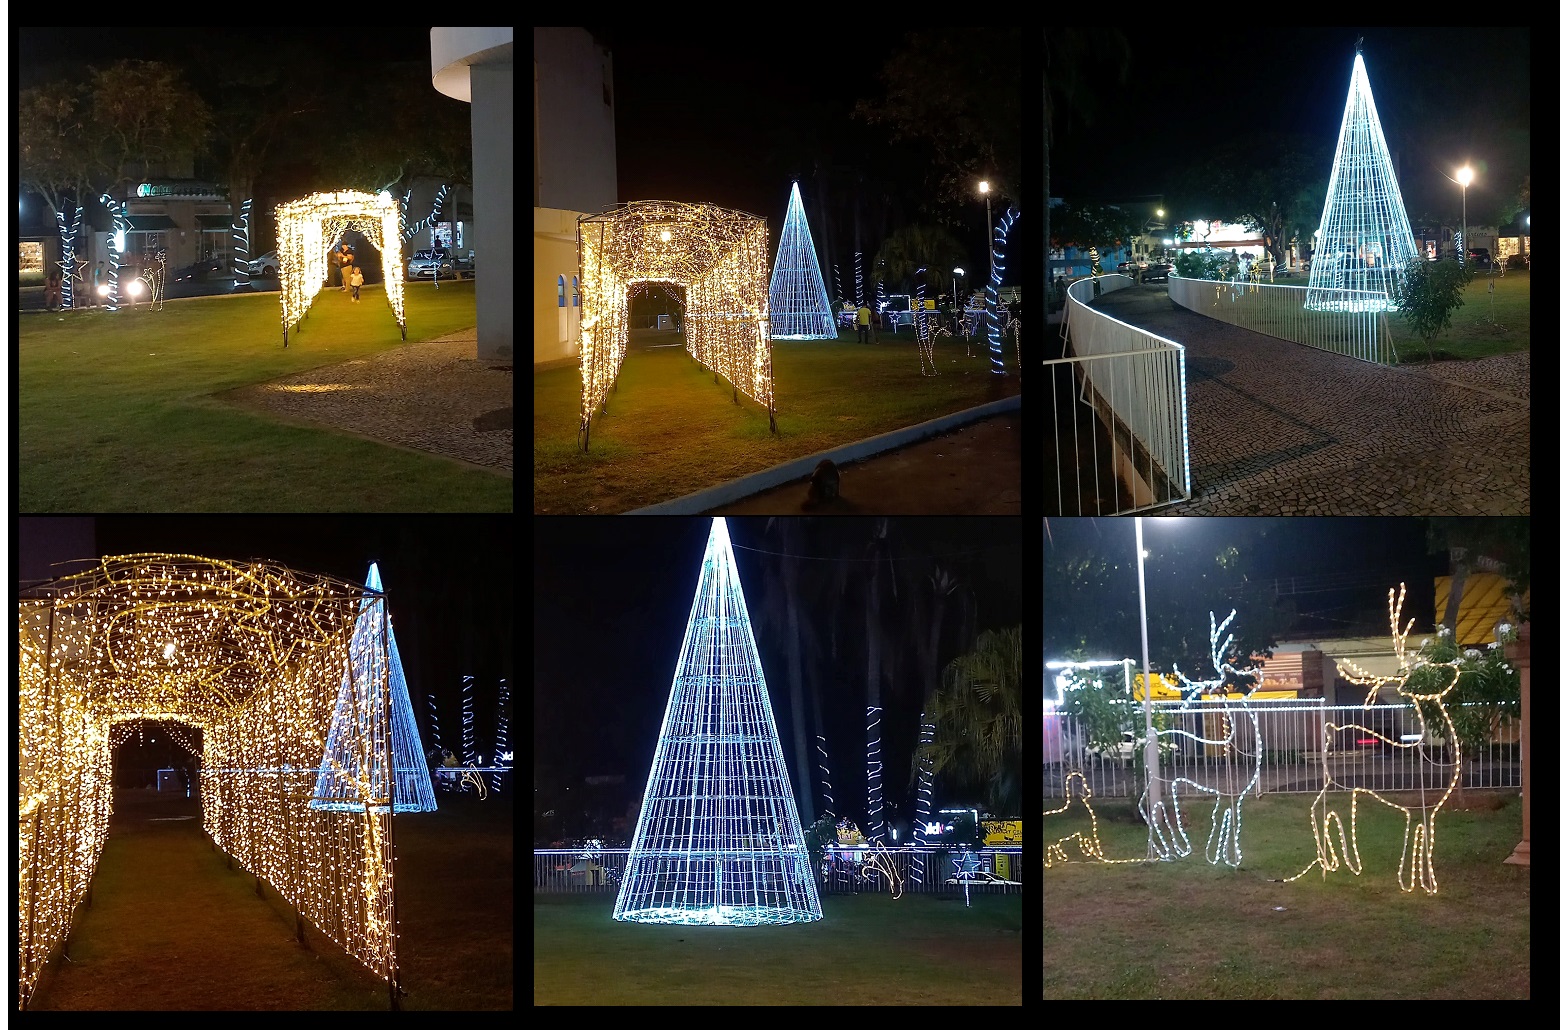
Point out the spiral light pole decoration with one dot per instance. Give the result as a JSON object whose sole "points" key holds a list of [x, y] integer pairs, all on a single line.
{"points": [[993, 330]]}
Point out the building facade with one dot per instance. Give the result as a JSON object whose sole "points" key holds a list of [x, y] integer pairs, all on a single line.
{"points": [[477, 65], [574, 173]]}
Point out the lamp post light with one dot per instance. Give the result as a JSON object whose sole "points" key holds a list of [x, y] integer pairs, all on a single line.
{"points": [[991, 247], [956, 272], [1151, 751], [1464, 176]]}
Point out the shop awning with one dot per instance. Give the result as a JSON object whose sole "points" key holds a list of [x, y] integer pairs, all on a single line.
{"points": [[150, 223]]}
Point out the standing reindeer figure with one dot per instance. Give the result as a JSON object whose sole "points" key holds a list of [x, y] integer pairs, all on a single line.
{"points": [[1167, 836], [1418, 829]]}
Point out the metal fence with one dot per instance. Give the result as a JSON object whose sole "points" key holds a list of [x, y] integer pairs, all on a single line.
{"points": [[1292, 733], [1118, 413], [843, 870], [1348, 322]]}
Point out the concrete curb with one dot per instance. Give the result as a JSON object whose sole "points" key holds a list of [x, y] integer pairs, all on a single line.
{"points": [[800, 468]]}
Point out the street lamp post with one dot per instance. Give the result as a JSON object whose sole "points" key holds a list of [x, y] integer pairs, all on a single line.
{"points": [[956, 272], [1464, 176], [991, 246], [1151, 752]]}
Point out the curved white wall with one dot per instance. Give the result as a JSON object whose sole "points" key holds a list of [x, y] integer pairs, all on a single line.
{"points": [[477, 65]]}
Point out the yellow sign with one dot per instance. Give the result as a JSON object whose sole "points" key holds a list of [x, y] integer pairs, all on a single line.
{"points": [[1163, 691], [1005, 831]]}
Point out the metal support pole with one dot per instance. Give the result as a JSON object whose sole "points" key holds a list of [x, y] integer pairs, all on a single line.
{"points": [[1151, 753]]}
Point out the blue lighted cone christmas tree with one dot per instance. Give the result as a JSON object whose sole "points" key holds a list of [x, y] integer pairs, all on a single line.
{"points": [[1365, 243], [345, 776], [718, 840], [798, 303]]}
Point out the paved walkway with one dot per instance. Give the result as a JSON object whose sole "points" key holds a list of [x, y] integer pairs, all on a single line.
{"points": [[433, 396], [972, 470], [1278, 428]]}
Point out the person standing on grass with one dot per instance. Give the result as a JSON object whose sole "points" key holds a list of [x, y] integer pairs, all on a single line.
{"points": [[357, 283], [864, 324], [346, 268]]}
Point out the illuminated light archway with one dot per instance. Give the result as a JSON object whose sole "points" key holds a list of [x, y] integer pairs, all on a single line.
{"points": [[259, 658], [308, 229], [718, 842], [720, 257]]}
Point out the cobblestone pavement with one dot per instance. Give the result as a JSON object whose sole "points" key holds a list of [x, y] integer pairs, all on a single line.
{"points": [[1278, 428], [432, 396]]}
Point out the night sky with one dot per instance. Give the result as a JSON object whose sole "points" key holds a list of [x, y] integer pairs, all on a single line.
{"points": [[449, 582], [1445, 96], [612, 600], [1336, 571], [703, 117]]}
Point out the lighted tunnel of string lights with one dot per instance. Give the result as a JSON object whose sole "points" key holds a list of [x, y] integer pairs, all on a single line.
{"points": [[718, 840], [719, 257], [1365, 243], [294, 683], [308, 230]]}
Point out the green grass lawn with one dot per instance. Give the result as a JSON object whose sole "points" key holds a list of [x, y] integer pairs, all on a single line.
{"points": [[669, 429], [866, 950], [115, 412], [1190, 930], [1488, 322]]}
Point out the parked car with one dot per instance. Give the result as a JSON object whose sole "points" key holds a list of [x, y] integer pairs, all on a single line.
{"points": [[1479, 257], [1157, 272], [424, 263], [1516, 261], [200, 271], [265, 265]]}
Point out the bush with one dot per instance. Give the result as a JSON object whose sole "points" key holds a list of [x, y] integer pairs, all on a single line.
{"points": [[1429, 291]]}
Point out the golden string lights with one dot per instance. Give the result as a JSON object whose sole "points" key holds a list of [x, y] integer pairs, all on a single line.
{"points": [[307, 230], [1088, 842], [252, 654], [720, 258], [1416, 865]]}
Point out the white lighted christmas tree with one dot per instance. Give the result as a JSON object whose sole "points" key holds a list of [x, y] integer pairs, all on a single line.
{"points": [[350, 771], [1365, 242], [798, 302], [718, 840]]}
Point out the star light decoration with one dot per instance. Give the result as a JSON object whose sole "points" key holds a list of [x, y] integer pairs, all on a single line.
{"points": [[1416, 864], [718, 840], [721, 257], [798, 301], [252, 654], [1167, 837], [308, 230], [1365, 242]]}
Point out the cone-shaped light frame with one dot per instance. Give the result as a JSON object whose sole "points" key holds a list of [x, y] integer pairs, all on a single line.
{"points": [[798, 303], [718, 840], [1366, 243], [353, 765]]}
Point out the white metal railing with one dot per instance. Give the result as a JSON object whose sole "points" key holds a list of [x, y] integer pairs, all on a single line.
{"points": [[919, 869], [1124, 416], [1348, 322], [1292, 733]]}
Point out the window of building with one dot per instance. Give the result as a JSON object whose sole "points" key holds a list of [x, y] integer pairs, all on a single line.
{"points": [[562, 300], [576, 291]]}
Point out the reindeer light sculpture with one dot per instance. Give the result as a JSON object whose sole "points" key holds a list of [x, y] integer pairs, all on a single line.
{"points": [[1167, 838], [1418, 833]]}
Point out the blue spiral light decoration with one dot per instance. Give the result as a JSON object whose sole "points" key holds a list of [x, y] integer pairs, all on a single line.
{"points": [[68, 249], [718, 842], [241, 245], [993, 330], [116, 250], [823, 767], [923, 797], [874, 773]]}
